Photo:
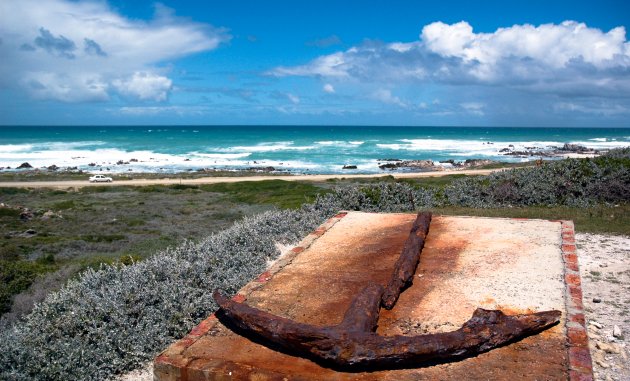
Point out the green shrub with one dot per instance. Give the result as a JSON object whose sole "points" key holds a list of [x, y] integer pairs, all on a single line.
{"points": [[9, 212]]}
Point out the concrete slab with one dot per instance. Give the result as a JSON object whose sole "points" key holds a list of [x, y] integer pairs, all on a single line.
{"points": [[509, 264]]}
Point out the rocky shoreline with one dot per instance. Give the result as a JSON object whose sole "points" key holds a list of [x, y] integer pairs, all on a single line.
{"points": [[390, 164], [539, 153]]}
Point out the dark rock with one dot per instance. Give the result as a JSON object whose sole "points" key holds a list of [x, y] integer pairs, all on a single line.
{"points": [[410, 164], [53, 168], [388, 166], [133, 160], [389, 160], [24, 165], [349, 167], [477, 162], [92, 164], [261, 169], [417, 164], [449, 161], [120, 162], [30, 232], [573, 148], [186, 159], [597, 300], [504, 150], [26, 215]]}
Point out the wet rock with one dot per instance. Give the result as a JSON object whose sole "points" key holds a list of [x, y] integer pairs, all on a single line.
{"points": [[412, 164], [388, 166], [504, 150], [477, 162], [92, 164], [573, 148], [417, 164], [133, 160], [449, 161], [53, 167], [349, 167], [262, 169], [25, 165]]}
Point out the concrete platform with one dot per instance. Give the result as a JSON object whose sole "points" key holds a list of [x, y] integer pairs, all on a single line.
{"points": [[513, 265]]}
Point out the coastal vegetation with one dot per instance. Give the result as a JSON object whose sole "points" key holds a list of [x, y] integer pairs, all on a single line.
{"points": [[160, 249]]}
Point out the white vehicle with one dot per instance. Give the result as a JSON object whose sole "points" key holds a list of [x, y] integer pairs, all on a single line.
{"points": [[100, 179]]}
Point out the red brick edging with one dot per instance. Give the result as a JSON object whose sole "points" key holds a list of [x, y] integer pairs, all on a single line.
{"points": [[172, 363], [580, 363]]}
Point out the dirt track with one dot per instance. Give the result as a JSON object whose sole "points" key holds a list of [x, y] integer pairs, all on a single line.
{"points": [[216, 180]]}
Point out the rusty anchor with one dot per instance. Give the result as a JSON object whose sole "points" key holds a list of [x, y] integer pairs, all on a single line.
{"points": [[354, 343]]}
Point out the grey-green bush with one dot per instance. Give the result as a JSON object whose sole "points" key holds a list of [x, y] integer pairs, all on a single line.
{"points": [[109, 321]]}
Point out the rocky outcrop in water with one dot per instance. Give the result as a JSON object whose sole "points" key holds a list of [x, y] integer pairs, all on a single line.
{"points": [[549, 151], [423, 165]]}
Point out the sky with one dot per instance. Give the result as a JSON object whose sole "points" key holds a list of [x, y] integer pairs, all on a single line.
{"points": [[448, 63]]}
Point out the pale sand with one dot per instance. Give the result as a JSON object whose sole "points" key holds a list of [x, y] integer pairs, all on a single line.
{"points": [[605, 271]]}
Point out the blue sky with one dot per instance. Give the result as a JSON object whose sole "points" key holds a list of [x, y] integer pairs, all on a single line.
{"points": [[490, 63]]}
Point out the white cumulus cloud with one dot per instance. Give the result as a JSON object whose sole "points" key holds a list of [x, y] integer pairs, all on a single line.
{"points": [[145, 86], [293, 98], [386, 96], [83, 51], [330, 89], [564, 59]]}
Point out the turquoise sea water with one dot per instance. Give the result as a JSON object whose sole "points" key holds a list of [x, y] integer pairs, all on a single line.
{"points": [[299, 149]]}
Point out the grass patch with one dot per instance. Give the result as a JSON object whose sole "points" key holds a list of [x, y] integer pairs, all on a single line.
{"points": [[103, 237], [12, 191], [9, 212], [598, 219], [134, 222], [63, 205], [283, 194]]}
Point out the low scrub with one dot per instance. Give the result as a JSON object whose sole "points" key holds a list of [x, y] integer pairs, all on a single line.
{"points": [[110, 320]]}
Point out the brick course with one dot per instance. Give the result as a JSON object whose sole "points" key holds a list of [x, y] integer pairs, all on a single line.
{"points": [[580, 363]]}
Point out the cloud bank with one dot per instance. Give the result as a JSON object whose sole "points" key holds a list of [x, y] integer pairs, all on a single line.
{"points": [[86, 51], [567, 60]]}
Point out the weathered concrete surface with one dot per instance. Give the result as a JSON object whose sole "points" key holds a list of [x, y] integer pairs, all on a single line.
{"points": [[513, 265]]}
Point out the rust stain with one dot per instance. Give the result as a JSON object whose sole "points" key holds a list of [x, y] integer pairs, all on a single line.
{"points": [[301, 291]]}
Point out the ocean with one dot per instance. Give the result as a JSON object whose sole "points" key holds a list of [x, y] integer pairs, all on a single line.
{"points": [[294, 149]]}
